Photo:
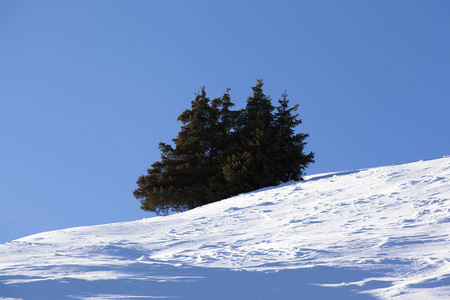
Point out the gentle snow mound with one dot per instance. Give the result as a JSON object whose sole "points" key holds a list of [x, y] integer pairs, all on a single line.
{"points": [[380, 232]]}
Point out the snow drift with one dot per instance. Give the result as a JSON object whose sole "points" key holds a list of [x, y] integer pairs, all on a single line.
{"points": [[380, 233]]}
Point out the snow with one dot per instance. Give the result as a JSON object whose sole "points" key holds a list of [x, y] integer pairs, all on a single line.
{"points": [[379, 233]]}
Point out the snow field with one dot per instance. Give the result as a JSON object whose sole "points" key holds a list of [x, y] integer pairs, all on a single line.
{"points": [[380, 233]]}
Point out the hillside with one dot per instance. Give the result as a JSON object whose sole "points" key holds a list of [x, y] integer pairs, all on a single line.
{"points": [[380, 233]]}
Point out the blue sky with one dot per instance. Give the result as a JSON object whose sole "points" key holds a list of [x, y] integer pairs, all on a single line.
{"points": [[89, 88]]}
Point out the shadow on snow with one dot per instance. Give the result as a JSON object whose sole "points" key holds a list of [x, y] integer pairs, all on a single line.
{"points": [[162, 281]]}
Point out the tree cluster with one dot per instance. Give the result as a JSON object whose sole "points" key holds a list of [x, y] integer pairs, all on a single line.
{"points": [[220, 152]]}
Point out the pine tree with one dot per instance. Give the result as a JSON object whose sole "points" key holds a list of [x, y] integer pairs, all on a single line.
{"points": [[195, 149], [189, 174], [291, 161], [154, 188], [252, 164], [178, 182], [224, 141], [219, 153]]}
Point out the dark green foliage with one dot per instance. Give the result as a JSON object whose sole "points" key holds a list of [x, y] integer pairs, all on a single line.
{"points": [[290, 159], [251, 165], [220, 153]]}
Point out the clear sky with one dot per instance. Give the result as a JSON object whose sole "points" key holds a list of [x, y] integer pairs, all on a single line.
{"points": [[89, 88]]}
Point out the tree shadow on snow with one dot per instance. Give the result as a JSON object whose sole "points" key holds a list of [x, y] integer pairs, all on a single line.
{"points": [[163, 281]]}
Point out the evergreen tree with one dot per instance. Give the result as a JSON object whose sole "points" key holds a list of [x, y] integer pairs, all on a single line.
{"points": [[219, 153], [180, 179], [252, 165], [195, 147], [291, 161], [154, 188], [224, 141]]}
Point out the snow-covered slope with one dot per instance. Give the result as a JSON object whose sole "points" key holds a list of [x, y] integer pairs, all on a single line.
{"points": [[380, 233]]}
